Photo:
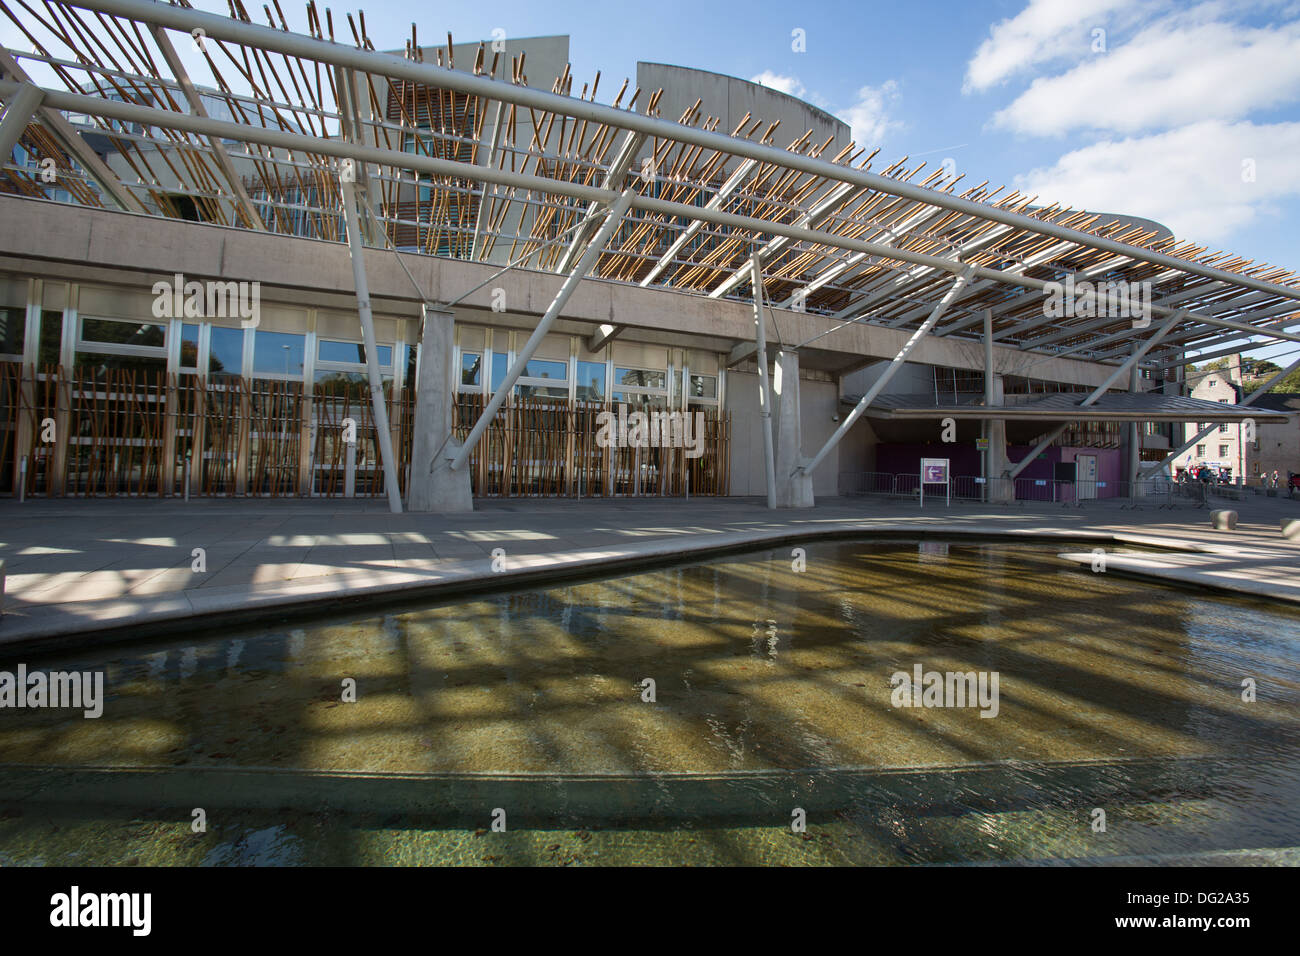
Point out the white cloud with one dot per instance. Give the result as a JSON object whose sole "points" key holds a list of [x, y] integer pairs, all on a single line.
{"points": [[1043, 31], [869, 117], [1190, 179], [776, 81], [1168, 74]]}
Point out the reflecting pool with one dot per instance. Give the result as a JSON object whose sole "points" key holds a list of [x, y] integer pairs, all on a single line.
{"points": [[699, 713]]}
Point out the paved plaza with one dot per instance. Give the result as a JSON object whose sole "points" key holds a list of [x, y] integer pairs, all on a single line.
{"points": [[83, 566]]}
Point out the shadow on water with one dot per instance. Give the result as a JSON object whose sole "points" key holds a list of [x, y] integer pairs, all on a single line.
{"points": [[772, 698]]}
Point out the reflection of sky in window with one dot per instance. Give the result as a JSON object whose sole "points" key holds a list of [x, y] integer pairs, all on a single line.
{"points": [[591, 379], [353, 353], [278, 352], [541, 368], [500, 365], [470, 365], [226, 351]]}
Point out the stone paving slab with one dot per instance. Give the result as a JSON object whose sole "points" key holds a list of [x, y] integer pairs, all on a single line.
{"points": [[81, 566]]}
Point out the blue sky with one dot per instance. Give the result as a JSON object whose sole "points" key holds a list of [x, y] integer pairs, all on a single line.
{"points": [[1184, 112]]}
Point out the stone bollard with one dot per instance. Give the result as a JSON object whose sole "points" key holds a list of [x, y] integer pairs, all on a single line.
{"points": [[1224, 520], [1290, 531]]}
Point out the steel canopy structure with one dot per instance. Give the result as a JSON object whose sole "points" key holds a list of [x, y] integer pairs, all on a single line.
{"points": [[477, 165]]}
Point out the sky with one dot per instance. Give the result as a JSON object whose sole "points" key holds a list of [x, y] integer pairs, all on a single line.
{"points": [[1187, 113]]}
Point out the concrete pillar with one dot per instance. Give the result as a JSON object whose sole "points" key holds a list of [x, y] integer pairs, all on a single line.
{"points": [[1134, 442], [433, 486], [1001, 491], [792, 490]]}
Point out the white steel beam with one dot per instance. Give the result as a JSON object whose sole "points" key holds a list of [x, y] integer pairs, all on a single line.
{"points": [[398, 67], [383, 433], [19, 109], [734, 181], [584, 265], [894, 366], [1248, 400], [242, 199], [1100, 390], [764, 385], [400, 160]]}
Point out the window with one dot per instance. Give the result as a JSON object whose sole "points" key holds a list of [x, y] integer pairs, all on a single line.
{"points": [[341, 366], [13, 333], [640, 387], [640, 377], [1200, 451], [543, 368], [500, 365], [279, 354], [703, 386], [544, 378], [106, 344], [471, 370], [1223, 451], [120, 332], [49, 348], [189, 347], [1210, 383], [591, 381], [412, 364], [225, 352], [352, 353]]}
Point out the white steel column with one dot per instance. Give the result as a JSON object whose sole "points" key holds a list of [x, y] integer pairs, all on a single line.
{"points": [[19, 109], [1100, 390], [764, 386], [894, 366], [383, 433], [585, 262]]}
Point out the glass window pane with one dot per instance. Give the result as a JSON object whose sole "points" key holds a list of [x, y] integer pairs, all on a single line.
{"points": [[591, 381], [542, 391], [412, 356], [13, 331], [189, 346], [355, 384], [353, 353], [650, 378], [471, 369], [280, 353], [704, 386], [226, 352], [500, 365], [543, 368], [123, 333], [640, 400], [96, 364], [51, 338]]}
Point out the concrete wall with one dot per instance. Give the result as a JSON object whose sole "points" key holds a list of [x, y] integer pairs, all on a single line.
{"points": [[730, 98], [1279, 449], [818, 401]]}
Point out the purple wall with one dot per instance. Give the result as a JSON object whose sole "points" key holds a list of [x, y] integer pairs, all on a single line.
{"points": [[900, 459]]}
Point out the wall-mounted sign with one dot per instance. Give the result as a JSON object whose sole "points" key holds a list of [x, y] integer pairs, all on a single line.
{"points": [[981, 444]]}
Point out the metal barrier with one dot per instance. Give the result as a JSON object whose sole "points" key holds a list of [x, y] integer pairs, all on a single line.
{"points": [[866, 483], [1160, 492]]}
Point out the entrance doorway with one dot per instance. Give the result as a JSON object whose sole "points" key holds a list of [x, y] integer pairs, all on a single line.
{"points": [[1086, 476]]}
